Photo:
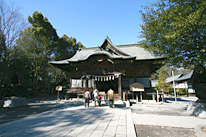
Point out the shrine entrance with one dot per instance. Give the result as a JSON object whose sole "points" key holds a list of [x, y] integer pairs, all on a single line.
{"points": [[109, 67], [106, 85]]}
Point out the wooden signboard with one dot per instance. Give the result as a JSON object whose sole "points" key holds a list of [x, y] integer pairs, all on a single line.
{"points": [[137, 87]]}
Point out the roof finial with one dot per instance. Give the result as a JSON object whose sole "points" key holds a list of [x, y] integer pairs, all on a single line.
{"points": [[108, 38]]}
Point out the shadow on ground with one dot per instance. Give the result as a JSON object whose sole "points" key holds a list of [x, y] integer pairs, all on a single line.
{"points": [[59, 122], [10, 114]]}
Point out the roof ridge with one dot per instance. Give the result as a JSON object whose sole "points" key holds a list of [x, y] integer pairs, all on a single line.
{"points": [[127, 45], [85, 48]]}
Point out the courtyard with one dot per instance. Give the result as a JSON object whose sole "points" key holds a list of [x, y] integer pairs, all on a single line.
{"points": [[47, 117]]}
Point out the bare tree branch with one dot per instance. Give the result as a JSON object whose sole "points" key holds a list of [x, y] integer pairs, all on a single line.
{"points": [[11, 23]]}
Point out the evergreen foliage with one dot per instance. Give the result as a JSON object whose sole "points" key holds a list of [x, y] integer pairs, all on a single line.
{"points": [[26, 67], [176, 29], [161, 85]]}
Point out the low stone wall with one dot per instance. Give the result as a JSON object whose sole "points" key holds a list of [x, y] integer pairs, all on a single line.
{"points": [[198, 109], [14, 102]]}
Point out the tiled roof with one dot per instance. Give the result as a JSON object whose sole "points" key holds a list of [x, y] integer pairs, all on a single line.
{"points": [[186, 77], [132, 51], [137, 51], [170, 79]]}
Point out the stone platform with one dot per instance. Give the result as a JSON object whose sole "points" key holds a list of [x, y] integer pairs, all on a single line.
{"points": [[74, 121]]}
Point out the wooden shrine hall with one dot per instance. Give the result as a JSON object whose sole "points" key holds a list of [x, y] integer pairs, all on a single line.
{"points": [[110, 66]]}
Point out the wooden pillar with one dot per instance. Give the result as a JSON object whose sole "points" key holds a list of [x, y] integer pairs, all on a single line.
{"points": [[82, 84], [70, 84], [120, 87], [87, 84], [124, 96], [157, 96], [137, 98], [94, 86], [141, 96]]}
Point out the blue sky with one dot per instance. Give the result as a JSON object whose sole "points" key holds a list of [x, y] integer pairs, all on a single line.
{"points": [[90, 21]]}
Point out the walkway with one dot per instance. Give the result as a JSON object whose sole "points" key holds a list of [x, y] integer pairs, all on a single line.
{"points": [[169, 121], [74, 121]]}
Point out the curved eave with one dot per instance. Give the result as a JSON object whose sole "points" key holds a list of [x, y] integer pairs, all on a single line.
{"points": [[154, 58], [102, 53], [61, 62]]}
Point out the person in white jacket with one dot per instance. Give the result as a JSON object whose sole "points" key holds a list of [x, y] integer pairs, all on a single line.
{"points": [[95, 95]]}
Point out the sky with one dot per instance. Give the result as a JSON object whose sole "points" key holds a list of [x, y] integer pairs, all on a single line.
{"points": [[90, 21]]}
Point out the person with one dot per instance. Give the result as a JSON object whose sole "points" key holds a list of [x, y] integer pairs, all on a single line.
{"points": [[95, 95], [110, 95], [99, 98], [87, 97]]}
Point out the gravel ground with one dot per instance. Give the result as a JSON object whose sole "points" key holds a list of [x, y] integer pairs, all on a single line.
{"points": [[162, 131], [166, 120]]}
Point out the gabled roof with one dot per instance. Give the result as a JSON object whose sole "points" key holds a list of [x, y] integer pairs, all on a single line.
{"points": [[112, 47], [170, 79], [84, 54], [139, 52], [186, 77], [132, 51]]}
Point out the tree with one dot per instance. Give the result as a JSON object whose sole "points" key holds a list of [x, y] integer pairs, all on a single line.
{"points": [[176, 29], [43, 31], [162, 85], [37, 45], [66, 47], [11, 23]]}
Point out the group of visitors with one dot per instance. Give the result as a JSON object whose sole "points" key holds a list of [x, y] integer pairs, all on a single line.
{"points": [[97, 97]]}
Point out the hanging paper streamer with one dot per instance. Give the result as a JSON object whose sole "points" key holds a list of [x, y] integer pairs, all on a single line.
{"points": [[112, 77]]}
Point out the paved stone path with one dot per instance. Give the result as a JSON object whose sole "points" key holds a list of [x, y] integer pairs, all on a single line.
{"points": [[170, 121], [75, 121]]}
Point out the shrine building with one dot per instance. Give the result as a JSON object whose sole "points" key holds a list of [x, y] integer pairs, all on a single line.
{"points": [[110, 66]]}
